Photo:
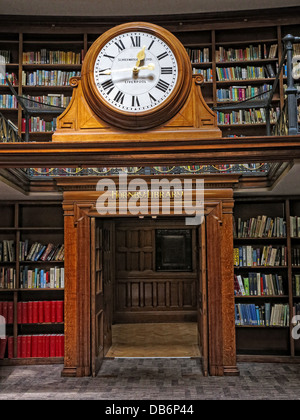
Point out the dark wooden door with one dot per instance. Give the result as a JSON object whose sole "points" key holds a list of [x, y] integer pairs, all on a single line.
{"points": [[97, 298], [108, 249], [202, 299], [102, 279]]}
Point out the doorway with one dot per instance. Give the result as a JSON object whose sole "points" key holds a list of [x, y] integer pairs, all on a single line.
{"points": [[147, 289]]}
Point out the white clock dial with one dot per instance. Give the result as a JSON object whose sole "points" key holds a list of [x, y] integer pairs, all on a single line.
{"points": [[135, 72]]}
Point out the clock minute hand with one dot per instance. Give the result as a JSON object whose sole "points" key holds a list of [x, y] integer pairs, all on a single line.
{"points": [[150, 66]]}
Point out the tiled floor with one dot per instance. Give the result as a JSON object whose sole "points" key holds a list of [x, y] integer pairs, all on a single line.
{"points": [[151, 379]]}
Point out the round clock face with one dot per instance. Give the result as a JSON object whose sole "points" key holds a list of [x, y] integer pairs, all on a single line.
{"points": [[135, 72]]}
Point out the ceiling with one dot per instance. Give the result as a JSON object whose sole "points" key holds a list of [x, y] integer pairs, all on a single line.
{"points": [[98, 8]]}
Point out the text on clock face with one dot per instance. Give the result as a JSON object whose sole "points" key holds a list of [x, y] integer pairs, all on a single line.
{"points": [[135, 71]]}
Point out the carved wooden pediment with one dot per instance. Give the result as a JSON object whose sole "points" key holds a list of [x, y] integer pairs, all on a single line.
{"points": [[79, 123]]}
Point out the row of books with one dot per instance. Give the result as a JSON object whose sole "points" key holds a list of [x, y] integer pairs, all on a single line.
{"points": [[41, 311], [8, 101], [295, 226], [7, 278], [241, 73], [33, 312], [253, 52], [41, 252], [7, 250], [38, 125], [240, 93], [206, 73], [259, 284], [54, 99], [45, 56], [295, 257], [12, 77], [36, 278], [7, 311], [296, 309], [247, 256], [260, 227], [262, 315], [252, 116], [37, 345], [48, 77], [198, 55], [296, 284], [5, 57]]}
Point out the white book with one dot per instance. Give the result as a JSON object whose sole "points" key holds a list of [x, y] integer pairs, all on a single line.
{"points": [[52, 278]]}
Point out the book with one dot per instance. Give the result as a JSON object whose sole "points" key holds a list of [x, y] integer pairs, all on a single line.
{"points": [[3, 345]]}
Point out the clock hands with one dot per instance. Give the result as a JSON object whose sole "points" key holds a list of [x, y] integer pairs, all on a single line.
{"points": [[140, 56], [135, 69]]}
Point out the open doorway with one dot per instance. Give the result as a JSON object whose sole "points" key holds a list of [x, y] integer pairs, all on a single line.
{"points": [[148, 290]]}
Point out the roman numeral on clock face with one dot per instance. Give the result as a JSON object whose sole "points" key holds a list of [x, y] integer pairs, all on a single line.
{"points": [[166, 70], [136, 41], [135, 101], [162, 85], [108, 85], [152, 99], [163, 55], [120, 45], [119, 97]]}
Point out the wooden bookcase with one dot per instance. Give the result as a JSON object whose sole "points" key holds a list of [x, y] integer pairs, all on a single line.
{"points": [[259, 341], [204, 43], [41, 222]]}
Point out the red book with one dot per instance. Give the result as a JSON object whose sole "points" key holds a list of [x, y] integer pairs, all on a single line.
{"points": [[3, 342], [28, 346], [35, 312], [24, 312], [47, 311], [57, 345], [24, 346], [59, 311], [10, 347], [5, 310], [47, 345], [40, 346], [30, 312], [19, 308], [44, 345], [53, 345], [41, 311], [34, 346], [19, 338], [62, 345], [1, 308], [53, 310], [10, 312]]}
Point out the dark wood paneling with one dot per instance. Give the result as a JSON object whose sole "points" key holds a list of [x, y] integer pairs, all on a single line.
{"points": [[141, 291]]}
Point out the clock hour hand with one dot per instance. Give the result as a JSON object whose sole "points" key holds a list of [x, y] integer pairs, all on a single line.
{"points": [[140, 56], [150, 66]]}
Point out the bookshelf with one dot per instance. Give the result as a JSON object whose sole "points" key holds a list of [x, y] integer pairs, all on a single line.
{"points": [[250, 51], [35, 302], [270, 285]]}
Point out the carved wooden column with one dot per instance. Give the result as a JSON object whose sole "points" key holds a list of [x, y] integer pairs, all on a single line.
{"points": [[77, 291], [229, 337]]}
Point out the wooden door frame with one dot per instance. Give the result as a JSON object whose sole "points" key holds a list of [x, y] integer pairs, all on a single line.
{"points": [[78, 207]]}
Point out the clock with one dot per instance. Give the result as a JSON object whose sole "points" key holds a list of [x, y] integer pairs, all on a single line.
{"points": [[136, 76]]}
